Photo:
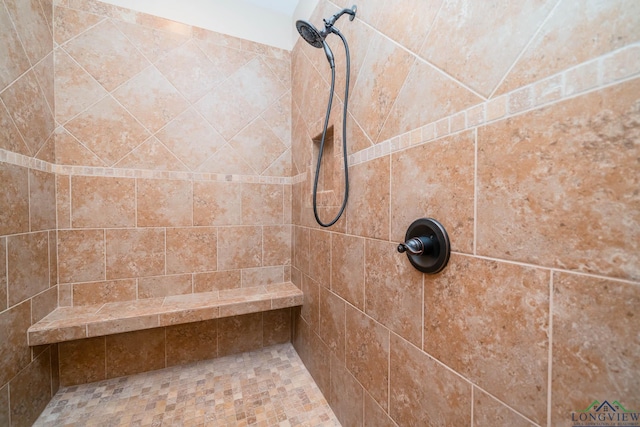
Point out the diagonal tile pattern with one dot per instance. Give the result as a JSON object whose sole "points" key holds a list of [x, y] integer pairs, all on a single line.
{"points": [[268, 387], [193, 90]]}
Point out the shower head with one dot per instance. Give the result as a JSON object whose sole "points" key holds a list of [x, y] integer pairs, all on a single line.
{"points": [[310, 33]]}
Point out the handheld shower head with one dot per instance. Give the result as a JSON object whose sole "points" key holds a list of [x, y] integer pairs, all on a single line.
{"points": [[310, 33]]}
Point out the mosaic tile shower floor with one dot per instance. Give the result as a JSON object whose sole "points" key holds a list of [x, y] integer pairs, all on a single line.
{"points": [[267, 387]]}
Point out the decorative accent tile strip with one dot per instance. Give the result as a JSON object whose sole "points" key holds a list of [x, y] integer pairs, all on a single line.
{"points": [[612, 68]]}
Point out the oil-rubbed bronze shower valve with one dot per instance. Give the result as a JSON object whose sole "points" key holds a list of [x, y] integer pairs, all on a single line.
{"points": [[426, 245]]}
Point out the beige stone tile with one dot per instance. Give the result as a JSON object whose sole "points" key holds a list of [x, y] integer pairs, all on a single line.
{"points": [[27, 106], [31, 390], [164, 203], [489, 321], [262, 204], [278, 116], [191, 249], [243, 305], [69, 151], [301, 249], [261, 276], [108, 130], [135, 253], [134, 352], [217, 203], [63, 201], [15, 353], [523, 173], [520, 100], [595, 344], [332, 322], [249, 92], [27, 266], [497, 108], [239, 334], [46, 78], [162, 286], [81, 255], [82, 361], [190, 71], [621, 64], [10, 138], [417, 378], [104, 292], [258, 145], [69, 23], [31, 23], [574, 34], [418, 104], [43, 304], [99, 202], [276, 327], [371, 200], [239, 247], [191, 139], [451, 180], [276, 241], [394, 290], [347, 395], [320, 258], [116, 325], [548, 90], [4, 405], [107, 55], [487, 412], [42, 200], [13, 58], [347, 269], [192, 342], [582, 78], [151, 98], [374, 415], [3, 274], [216, 281], [65, 295], [14, 199], [53, 258], [311, 306], [367, 354], [226, 56], [75, 90], [153, 43], [319, 363], [188, 316], [373, 97], [151, 155]]}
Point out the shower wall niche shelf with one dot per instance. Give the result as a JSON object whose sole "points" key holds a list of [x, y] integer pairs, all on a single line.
{"points": [[72, 323]]}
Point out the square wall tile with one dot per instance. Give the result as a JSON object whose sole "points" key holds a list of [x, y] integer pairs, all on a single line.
{"points": [[14, 199], [276, 327], [31, 390], [217, 281], [276, 245], [488, 412], [191, 249], [4, 405], [63, 201], [43, 304], [416, 379], [368, 209], [192, 342], [332, 322], [238, 334], [98, 202], [81, 255], [217, 203], [3, 274], [347, 268], [239, 247], [320, 257], [135, 253], [15, 353], [135, 352], [367, 354], [489, 321], [27, 265], [82, 361], [262, 204], [262, 276], [42, 200], [596, 346], [347, 395], [164, 203]]}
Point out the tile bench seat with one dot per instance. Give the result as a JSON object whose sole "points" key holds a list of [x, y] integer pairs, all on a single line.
{"points": [[72, 323]]}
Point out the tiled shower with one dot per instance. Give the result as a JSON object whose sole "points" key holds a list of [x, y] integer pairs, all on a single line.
{"points": [[143, 158]]}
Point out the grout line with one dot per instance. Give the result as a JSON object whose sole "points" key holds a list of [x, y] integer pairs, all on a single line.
{"points": [[472, 404], [525, 48], [550, 361]]}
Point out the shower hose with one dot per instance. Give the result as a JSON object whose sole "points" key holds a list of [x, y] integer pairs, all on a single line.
{"points": [[344, 139]]}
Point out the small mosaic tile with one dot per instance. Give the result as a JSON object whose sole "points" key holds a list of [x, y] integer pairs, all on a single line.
{"points": [[267, 387]]}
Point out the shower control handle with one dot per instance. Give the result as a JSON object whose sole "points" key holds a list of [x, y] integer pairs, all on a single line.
{"points": [[417, 245]]}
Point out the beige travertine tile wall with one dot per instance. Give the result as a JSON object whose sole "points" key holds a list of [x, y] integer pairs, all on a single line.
{"points": [[28, 277], [517, 126], [173, 147]]}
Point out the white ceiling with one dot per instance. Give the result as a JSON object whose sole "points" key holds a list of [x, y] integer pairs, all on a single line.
{"points": [[265, 21]]}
